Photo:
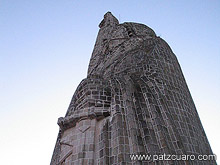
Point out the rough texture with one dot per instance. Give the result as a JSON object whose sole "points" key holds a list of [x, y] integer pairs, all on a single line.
{"points": [[134, 101]]}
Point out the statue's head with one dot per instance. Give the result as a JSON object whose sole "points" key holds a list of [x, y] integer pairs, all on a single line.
{"points": [[117, 43]]}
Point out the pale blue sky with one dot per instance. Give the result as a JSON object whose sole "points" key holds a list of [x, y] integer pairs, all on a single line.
{"points": [[45, 47]]}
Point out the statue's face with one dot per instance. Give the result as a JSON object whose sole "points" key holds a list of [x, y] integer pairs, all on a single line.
{"points": [[117, 44], [120, 47], [125, 37]]}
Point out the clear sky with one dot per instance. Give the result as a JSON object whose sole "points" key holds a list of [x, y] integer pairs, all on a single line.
{"points": [[45, 47]]}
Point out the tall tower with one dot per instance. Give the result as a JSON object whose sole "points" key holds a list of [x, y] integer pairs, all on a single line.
{"points": [[134, 101]]}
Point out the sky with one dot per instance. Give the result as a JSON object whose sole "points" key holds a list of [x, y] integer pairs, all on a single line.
{"points": [[45, 47]]}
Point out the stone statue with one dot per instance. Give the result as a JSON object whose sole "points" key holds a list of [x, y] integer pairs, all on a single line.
{"points": [[134, 100]]}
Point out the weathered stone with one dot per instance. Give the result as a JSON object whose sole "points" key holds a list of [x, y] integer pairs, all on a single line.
{"points": [[134, 101]]}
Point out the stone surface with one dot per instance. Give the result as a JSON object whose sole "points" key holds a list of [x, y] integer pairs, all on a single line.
{"points": [[134, 101]]}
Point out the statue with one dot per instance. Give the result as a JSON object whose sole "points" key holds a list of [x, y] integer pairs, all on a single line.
{"points": [[134, 101]]}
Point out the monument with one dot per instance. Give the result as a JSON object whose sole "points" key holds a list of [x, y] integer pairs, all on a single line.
{"points": [[134, 102]]}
